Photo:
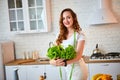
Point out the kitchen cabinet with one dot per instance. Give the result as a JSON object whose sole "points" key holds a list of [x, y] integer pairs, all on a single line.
{"points": [[105, 68], [33, 72], [15, 73], [29, 16], [53, 73]]}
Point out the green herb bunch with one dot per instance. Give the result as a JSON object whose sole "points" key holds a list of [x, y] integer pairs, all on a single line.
{"points": [[56, 52]]}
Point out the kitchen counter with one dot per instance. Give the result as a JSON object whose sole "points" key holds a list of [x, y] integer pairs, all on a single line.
{"points": [[28, 62], [88, 60], [46, 61]]}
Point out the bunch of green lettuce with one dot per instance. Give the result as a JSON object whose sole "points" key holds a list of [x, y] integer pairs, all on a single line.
{"points": [[55, 52], [70, 53]]}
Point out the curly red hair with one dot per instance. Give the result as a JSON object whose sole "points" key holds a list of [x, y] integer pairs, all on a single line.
{"points": [[63, 30]]}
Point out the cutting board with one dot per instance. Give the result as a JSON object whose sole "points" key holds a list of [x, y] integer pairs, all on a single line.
{"points": [[8, 51]]}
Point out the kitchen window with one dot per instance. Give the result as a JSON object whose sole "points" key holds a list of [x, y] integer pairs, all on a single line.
{"points": [[29, 16]]}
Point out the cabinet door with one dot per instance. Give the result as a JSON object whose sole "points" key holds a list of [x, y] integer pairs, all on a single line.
{"points": [[53, 73], [22, 73], [10, 72], [15, 72], [16, 15], [29, 16], [35, 71], [104, 68]]}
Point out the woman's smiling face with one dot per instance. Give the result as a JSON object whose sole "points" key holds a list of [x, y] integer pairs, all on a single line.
{"points": [[67, 19]]}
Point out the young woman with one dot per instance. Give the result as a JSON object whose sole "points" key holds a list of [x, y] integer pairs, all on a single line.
{"points": [[68, 27]]}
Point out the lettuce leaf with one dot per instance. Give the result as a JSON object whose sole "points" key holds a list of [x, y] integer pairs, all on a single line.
{"points": [[55, 52]]}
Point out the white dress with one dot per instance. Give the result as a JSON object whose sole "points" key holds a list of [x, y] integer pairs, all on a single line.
{"points": [[77, 71]]}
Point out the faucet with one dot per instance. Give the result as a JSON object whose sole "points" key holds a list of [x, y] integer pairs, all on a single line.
{"points": [[51, 44]]}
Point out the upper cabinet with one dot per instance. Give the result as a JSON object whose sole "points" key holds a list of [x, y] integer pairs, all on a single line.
{"points": [[29, 16]]}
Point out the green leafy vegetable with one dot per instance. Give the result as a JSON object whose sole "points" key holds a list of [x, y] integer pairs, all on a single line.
{"points": [[59, 52], [70, 52], [54, 52]]}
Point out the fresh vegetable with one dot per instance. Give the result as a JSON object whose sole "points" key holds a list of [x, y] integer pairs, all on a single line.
{"points": [[102, 77], [70, 52], [54, 52], [59, 52]]}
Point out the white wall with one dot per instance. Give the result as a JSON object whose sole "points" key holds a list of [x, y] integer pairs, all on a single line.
{"points": [[107, 36], [1, 66]]}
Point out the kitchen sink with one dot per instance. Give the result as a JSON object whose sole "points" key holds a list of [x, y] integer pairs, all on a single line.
{"points": [[43, 59]]}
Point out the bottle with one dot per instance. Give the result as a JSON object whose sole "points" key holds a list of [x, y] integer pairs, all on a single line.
{"points": [[26, 54], [35, 55]]}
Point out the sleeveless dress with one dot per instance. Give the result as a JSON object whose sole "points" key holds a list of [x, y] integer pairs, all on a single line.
{"points": [[77, 71]]}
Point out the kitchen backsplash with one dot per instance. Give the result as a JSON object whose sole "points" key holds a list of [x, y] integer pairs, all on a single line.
{"points": [[107, 36]]}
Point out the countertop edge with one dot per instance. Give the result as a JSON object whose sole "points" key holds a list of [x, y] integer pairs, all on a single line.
{"points": [[26, 62], [87, 60], [44, 62]]}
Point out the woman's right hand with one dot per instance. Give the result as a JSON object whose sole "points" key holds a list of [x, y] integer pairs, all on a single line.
{"points": [[57, 62]]}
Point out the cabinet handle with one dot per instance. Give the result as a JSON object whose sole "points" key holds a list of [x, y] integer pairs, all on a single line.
{"points": [[35, 66], [16, 74], [105, 65]]}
